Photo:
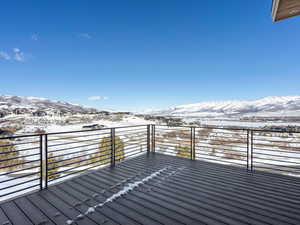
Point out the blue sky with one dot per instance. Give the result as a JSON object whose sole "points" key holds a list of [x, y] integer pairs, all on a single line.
{"points": [[136, 54]]}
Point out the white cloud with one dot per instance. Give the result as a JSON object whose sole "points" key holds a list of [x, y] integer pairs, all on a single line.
{"points": [[18, 55], [85, 35], [16, 50], [34, 37], [4, 55], [97, 98]]}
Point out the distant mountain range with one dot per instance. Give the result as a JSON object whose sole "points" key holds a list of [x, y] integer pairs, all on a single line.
{"points": [[287, 106], [9, 103], [264, 107]]}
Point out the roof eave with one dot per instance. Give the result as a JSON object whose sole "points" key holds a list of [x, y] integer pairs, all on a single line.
{"points": [[275, 9]]}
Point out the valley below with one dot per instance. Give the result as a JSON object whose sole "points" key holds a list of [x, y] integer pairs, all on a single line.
{"points": [[274, 140]]}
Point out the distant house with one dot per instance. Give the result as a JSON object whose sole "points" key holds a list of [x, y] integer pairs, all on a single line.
{"points": [[121, 113], [104, 113], [93, 126], [6, 133], [18, 111], [39, 113], [63, 112], [3, 114]]}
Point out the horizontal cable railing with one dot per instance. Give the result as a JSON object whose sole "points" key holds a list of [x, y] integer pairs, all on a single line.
{"points": [[276, 152], [32, 162], [222, 146], [176, 141], [253, 149], [20, 165], [69, 154], [130, 142]]}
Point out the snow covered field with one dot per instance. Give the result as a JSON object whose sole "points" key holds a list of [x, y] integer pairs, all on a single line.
{"points": [[224, 123], [57, 124]]}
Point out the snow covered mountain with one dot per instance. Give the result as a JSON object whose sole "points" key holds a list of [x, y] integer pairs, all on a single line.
{"points": [[32, 115], [268, 106], [10, 103]]}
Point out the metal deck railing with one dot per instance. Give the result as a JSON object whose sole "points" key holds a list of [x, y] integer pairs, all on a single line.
{"points": [[31, 162]]}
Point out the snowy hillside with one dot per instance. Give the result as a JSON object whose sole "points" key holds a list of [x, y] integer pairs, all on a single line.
{"points": [[26, 115], [10, 103], [269, 106]]}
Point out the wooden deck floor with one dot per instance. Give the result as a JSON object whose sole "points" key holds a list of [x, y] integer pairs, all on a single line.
{"points": [[184, 192]]}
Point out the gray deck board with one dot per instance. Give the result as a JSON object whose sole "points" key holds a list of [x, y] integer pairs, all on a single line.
{"points": [[15, 215], [185, 192], [3, 218], [36, 216], [55, 215]]}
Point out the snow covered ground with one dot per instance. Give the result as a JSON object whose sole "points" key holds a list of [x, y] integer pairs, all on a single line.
{"points": [[51, 124], [223, 123]]}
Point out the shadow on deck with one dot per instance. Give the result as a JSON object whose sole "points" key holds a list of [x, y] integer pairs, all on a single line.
{"points": [[162, 190]]}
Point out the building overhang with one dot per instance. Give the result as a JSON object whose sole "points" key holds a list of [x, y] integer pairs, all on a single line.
{"points": [[283, 9]]}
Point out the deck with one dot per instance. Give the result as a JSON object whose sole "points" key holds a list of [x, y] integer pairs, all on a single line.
{"points": [[164, 190]]}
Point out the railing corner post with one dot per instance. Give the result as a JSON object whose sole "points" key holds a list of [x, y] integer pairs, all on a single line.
{"points": [[113, 150], [248, 152], [251, 150], [193, 143], [46, 161], [192, 151], [153, 138], [41, 162], [148, 138]]}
